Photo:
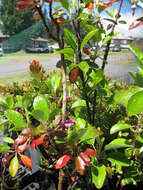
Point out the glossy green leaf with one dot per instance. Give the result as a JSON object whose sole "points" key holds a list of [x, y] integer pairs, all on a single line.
{"points": [[109, 12], [83, 66], [80, 123], [8, 140], [39, 115], [118, 158], [55, 82], [10, 102], [88, 37], [138, 53], [70, 39], [40, 104], [98, 175], [13, 167], [106, 40], [79, 103], [118, 143], [119, 127], [90, 134], [4, 148], [122, 22], [15, 118], [27, 100], [122, 96], [97, 76], [68, 53], [65, 4], [135, 104]]}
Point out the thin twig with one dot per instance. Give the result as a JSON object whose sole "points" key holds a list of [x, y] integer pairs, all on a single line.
{"points": [[60, 181], [94, 106], [136, 134], [112, 30], [60, 41], [38, 8]]}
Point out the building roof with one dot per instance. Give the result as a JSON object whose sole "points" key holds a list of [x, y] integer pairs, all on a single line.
{"points": [[39, 39], [122, 37]]}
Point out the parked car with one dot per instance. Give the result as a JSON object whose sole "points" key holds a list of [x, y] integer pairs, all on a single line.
{"points": [[116, 48], [1, 50], [39, 49]]}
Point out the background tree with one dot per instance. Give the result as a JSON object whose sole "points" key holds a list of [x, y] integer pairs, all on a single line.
{"points": [[14, 21]]}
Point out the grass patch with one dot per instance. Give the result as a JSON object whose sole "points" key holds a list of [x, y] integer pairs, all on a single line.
{"points": [[20, 78], [22, 55]]}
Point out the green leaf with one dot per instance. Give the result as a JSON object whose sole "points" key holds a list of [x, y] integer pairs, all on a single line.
{"points": [[110, 13], [122, 22], [97, 76], [10, 102], [4, 148], [65, 4], [83, 66], [137, 53], [90, 134], [98, 175], [80, 123], [26, 100], [118, 158], [68, 52], [40, 105], [135, 104], [75, 135], [79, 103], [8, 140], [13, 167], [70, 39], [88, 37], [119, 127], [118, 143], [2, 101], [15, 118], [55, 82], [106, 39], [39, 115], [122, 96]]}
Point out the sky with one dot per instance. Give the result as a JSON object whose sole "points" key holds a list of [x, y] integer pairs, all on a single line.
{"points": [[126, 14]]}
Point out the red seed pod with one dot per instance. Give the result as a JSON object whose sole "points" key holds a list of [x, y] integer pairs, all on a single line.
{"points": [[90, 152], [26, 161], [62, 161], [80, 165], [20, 140], [73, 76], [22, 147], [85, 158], [36, 142]]}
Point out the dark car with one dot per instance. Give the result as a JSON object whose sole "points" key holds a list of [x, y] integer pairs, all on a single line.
{"points": [[116, 48]]}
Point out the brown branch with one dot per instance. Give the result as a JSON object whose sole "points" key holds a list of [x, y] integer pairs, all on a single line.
{"points": [[60, 181], [112, 30], [60, 41], [38, 8]]}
